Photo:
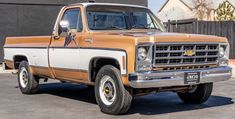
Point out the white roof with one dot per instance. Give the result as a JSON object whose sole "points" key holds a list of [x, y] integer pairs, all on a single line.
{"points": [[111, 4]]}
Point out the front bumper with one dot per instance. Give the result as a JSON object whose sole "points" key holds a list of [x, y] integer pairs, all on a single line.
{"points": [[176, 78]]}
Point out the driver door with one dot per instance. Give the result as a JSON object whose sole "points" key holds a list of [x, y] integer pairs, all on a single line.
{"points": [[64, 47]]}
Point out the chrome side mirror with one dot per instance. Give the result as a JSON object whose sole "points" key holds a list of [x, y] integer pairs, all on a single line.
{"points": [[64, 27]]}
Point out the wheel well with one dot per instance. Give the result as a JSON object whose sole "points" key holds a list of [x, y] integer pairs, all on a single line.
{"points": [[97, 63], [17, 59]]}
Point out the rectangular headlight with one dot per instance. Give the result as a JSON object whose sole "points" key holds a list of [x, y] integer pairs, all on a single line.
{"points": [[223, 54], [144, 57]]}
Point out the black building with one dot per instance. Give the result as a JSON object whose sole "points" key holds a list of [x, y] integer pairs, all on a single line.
{"points": [[36, 17]]}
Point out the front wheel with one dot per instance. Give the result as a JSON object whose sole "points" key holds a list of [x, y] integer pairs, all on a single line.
{"points": [[198, 96], [111, 95]]}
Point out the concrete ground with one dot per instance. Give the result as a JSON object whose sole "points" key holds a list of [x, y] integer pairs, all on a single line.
{"points": [[69, 101]]}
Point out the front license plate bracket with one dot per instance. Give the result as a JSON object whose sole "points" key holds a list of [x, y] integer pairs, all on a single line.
{"points": [[192, 78]]}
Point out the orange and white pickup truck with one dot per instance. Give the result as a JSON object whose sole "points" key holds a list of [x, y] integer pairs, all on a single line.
{"points": [[121, 50]]}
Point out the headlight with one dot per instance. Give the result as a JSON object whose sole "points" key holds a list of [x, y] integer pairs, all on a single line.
{"points": [[144, 57], [224, 55], [142, 54], [221, 52]]}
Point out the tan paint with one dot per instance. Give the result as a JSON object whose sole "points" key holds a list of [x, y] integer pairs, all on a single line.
{"points": [[41, 71], [125, 40], [75, 76], [34, 41], [69, 75]]}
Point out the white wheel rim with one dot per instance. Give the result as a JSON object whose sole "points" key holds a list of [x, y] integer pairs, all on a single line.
{"points": [[24, 79], [107, 90]]}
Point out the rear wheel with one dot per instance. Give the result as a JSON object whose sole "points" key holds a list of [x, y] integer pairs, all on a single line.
{"points": [[111, 95], [199, 95], [28, 83]]}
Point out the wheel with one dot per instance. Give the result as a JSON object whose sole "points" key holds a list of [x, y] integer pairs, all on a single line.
{"points": [[197, 96], [28, 83], [111, 95]]}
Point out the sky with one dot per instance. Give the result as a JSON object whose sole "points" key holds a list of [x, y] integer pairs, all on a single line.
{"points": [[155, 5]]}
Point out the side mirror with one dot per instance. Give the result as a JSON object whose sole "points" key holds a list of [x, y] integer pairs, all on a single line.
{"points": [[63, 27]]}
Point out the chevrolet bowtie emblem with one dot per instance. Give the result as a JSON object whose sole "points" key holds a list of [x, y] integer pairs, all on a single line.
{"points": [[189, 53]]}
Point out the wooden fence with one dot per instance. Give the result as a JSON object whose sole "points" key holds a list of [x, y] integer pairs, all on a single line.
{"points": [[218, 28]]}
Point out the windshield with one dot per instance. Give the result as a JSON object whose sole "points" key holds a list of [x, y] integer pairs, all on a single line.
{"points": [[103, 17]]}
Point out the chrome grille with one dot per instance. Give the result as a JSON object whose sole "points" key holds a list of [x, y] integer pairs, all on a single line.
{"points": [[173, 55]]}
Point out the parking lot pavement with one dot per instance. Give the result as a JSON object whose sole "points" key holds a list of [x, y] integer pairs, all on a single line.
{"points": [[69, 101]]}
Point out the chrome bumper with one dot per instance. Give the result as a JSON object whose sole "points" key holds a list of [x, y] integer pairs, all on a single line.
{"points": [[167, 79]]}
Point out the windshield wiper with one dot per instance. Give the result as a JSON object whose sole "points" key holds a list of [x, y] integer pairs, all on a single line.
{"points": [[139, 26], [143, 27]]}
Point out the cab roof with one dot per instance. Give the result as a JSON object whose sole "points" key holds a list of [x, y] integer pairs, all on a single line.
{"points": [[111, 4]]}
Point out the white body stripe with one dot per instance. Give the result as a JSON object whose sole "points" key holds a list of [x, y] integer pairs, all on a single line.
{"points": [[65, 58], [80, 58], [88, 54], [36, 57]]}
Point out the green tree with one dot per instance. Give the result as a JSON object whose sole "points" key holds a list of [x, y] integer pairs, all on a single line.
{"points": [[225, 12]]}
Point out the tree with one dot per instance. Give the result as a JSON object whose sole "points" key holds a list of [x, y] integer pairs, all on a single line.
{"points": [[202, 9], [225, 12]]}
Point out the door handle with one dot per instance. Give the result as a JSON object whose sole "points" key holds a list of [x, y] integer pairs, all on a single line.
{"points": [[89, 40]]}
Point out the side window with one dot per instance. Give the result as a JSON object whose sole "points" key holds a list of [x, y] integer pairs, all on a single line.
{"points": [[73, 16]]}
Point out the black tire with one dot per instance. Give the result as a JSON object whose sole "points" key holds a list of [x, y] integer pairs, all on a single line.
{"points": [[200, 95], [122, 102], [32, 84]]}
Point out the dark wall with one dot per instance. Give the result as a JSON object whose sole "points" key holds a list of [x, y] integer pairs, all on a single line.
{"points": [[35, 17]]}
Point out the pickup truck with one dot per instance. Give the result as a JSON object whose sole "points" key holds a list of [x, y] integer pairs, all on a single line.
{"points": [[121, 50]]}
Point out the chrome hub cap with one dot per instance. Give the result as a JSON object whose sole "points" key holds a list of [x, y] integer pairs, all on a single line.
{"points": [[24, 79], [107, 90]]}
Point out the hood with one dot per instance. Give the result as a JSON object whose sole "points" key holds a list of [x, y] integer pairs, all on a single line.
{"points": [[149, 36]]}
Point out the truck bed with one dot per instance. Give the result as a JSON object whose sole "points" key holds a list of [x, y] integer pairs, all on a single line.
{"points": [[34, 47], [28, 41]]}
